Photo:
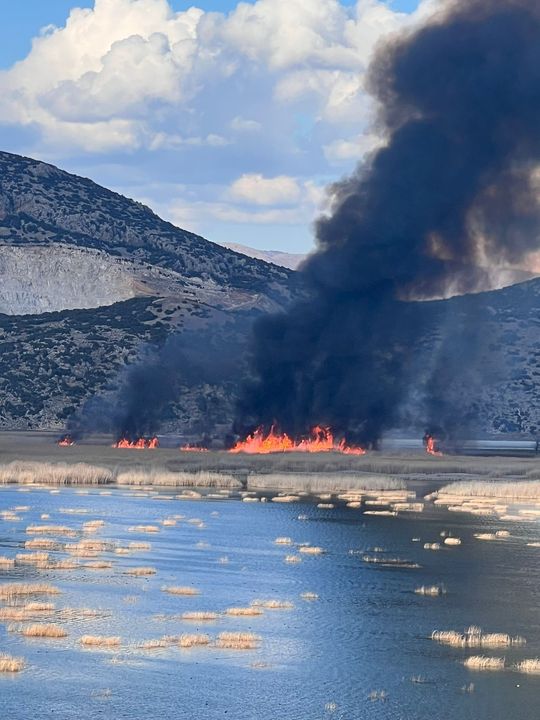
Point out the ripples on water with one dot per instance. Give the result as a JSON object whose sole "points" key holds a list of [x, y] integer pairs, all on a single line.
{"points": [[351, 653]]}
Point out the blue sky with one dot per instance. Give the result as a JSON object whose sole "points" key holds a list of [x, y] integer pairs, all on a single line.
{"points": [[230, 126]]}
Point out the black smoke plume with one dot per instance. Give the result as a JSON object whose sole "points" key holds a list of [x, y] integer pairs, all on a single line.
{"points": [[451, 194]]}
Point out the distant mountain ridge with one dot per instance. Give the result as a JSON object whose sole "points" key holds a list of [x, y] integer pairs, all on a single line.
{"points": [[276, 257]]}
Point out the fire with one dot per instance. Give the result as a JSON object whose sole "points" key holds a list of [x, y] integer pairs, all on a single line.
{"points": [[193, 448], [139, 444], [321, 440], [431, 445], [66, 441]]}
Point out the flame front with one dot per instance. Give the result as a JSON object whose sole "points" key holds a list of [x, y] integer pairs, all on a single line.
{"points": [[139, 444], [431, 445], [321, 440], [66, 441]]}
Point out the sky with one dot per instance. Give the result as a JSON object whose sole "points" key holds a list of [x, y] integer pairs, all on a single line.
{"points": [[228, 118]]}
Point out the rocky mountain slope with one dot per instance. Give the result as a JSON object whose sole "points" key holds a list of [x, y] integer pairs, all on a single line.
{"points": [[276, 257], [93, 285]]}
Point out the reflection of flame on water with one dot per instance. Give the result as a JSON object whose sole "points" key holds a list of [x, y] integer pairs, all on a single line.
{"points": [[321, 440], [431, 445], [66, 441], [139, 444], [193, 448]]}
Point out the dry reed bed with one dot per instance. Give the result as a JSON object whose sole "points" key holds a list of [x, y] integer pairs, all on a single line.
{"points": [[317, 483], [481, 662], [474, 637], [238, 641], [163, 478], [10, 664], [40, 630], [101, 641], [487, 491], [44, 473], [10, 591]]}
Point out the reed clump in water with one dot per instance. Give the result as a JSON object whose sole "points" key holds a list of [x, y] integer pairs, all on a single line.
{"points": [[32, 558], [474, 637], [135, 545], [144, 528], [190, 640], [13, 590], [6, 563], [181, 590], [309, 596], [200, 615], [51, 530], [10, 664], [140, 571], [238, 641], [43, 630], [312, 550], [104, 641], [531, 666], [292, 559], [158, 643], [273, 604], [283, 541], [43, 473], [481, 662], [42, 544], [431, 590], [241, 611]]}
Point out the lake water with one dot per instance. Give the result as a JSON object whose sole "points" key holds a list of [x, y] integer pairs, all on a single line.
{"points": [[351, 653]]}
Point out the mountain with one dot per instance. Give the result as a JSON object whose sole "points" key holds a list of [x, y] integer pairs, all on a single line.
{"points": [[100, 299], [90, 281], [276, 257]]}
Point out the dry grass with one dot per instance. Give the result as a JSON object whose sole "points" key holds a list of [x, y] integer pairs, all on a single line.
{"points": [[193, 640], [515, 491], [312, 550], [196, 616], [43, 630], [238, 641], [529, 666], [480, 662], [51, 530], [164, 478], [273, 604], [140, 571], [474, 637], [42, 544], [102, 641], [10, 664], [14, 590], [181, 590], [144, 528], [324, 482], [139, 546], [431, 590], [43, 473], [241, 611], [32, 558]]}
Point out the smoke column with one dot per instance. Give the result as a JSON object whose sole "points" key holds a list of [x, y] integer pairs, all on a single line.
{"points": [[450, 194]]}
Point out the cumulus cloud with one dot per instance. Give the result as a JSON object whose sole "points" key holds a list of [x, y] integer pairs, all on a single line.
{"points": [[253, 103]]}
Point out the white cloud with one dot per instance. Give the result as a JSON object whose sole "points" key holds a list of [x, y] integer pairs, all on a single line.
{"points": [[258, 190], [246, 108]]}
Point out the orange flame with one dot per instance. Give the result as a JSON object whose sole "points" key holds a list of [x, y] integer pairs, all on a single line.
{"points": [[66, 441], [140, 444], [431, 445], [193, 448], [321, 440]]}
